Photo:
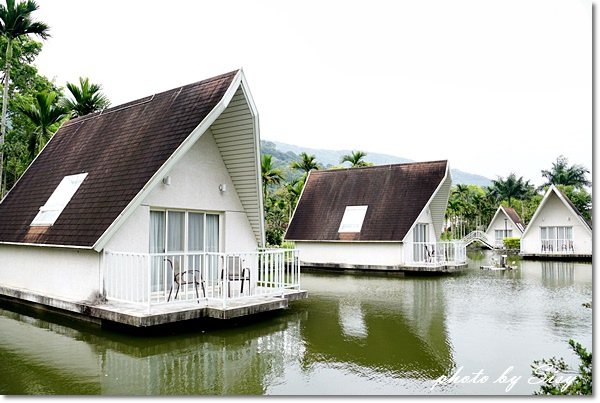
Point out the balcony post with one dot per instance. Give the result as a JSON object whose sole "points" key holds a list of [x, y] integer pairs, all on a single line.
{"points": [[149, 271]]}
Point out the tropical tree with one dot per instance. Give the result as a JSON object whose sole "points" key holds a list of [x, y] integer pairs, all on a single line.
{"points": [[15, 22], [87, 98], [580, 198], [270, 174], [453, 211], [306, 164], [563, 174], [512, 188], [356, 159], [293, 191], [25, 84], [45, 114]]}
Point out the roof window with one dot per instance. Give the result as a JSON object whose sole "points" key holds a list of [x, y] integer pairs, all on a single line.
{"points": [[59, 199], [353, 218]]}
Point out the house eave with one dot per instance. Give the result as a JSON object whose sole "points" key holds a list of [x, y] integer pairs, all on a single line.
{"points": [[447, 176], [44, 245]]}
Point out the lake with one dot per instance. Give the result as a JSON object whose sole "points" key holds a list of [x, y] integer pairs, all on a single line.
{"points": [[356, 334]]}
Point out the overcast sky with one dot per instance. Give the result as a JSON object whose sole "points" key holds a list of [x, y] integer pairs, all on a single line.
{"points": [[493, 86]]}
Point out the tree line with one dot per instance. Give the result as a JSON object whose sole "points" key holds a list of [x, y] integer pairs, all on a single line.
{"points": [[33, 107], [470, 207]]}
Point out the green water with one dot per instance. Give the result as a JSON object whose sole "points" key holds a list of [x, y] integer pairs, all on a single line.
{"points": [[354, 335]]}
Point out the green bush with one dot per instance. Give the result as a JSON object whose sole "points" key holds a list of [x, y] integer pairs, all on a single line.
{"points": [[558, 378], [512, 243]]}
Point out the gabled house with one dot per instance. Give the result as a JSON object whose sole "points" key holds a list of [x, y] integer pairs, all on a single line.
{"points": [[149, 203], [376, 218], [506, 223], [557, 229]]}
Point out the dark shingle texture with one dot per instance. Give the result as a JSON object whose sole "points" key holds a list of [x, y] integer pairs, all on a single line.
{"points": [[513, 215], [396, 195], [120, 148]]}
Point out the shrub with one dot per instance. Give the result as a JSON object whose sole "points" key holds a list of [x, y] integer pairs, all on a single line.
{"points": [[512, 243]]}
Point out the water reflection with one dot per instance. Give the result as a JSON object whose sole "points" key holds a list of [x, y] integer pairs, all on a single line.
{"points": [[42, 357], [394, 327], [355, 334]]}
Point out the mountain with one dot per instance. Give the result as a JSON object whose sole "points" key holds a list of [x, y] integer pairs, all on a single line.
{"points": [[283, 154]]}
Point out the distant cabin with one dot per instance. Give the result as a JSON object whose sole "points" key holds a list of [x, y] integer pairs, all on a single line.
{"points": [[376, 218], [505, 224], [557, 230]]}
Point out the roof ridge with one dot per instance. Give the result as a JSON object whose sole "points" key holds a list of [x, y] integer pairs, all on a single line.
{"points": [[143, 100]]}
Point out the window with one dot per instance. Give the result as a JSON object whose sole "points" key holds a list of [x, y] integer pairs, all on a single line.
{"points": [[421, 250], [181, 236], [59, 199], [177, 232], [556, 239], [353, 218], [500, 234]]}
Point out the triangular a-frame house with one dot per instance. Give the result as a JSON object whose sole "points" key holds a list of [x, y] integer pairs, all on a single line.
{"points": [[375, 218], [167, 185], [506, 223], [557, 229]]}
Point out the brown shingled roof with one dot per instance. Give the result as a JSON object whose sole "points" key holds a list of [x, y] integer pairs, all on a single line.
{"points": [[120, 148], [395, 195], [514, 216]]}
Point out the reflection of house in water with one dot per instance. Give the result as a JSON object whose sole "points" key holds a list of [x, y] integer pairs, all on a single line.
{"points": [[411, 342], [561, 273], [557, 273], [53, 358], [352, 319]]}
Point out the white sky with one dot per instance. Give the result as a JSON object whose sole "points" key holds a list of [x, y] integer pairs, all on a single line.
{"points": [[493, 86]]}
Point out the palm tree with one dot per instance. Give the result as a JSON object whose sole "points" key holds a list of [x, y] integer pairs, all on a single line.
{"points": [[562, 174], [453, 210], [44, 114], [356, 159], [307, 163], [512, 188], [15, 22], [87, 98], [293, 191], [270, 174]]}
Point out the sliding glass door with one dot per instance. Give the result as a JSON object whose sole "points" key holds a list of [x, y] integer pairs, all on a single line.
{"points": [[181, 237]]}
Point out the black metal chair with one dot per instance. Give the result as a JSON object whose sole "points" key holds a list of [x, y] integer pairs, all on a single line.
{"points": [[430, 253], [235, 272], [184, 278]]}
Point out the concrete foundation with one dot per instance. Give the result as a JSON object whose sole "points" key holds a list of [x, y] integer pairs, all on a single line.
{"points": [[401, 270], [139, 316]]}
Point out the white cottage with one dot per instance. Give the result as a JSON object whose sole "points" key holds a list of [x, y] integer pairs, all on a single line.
{"points": [[506, 223], [557, 229], [154, 202], [376, 218]]}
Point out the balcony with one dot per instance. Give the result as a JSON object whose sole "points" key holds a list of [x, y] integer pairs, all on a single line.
{"points": [[159, 282], [435, 256]]}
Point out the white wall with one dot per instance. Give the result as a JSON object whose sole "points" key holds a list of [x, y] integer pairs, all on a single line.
{"points": [[195, 181], [60, 272], [424, 218], [554, 213], [352, 253], [498, 224]]}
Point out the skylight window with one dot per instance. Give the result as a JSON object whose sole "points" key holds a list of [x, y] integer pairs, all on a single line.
{"points": [[353, 218], [59, 199]]}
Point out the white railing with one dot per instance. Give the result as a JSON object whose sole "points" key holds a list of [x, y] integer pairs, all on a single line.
{"points": [[481, 237], [557, 246], [435, 254], [166, 278]]}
